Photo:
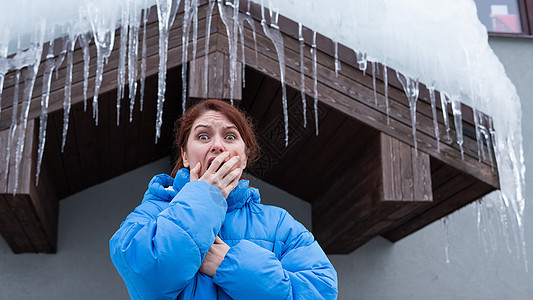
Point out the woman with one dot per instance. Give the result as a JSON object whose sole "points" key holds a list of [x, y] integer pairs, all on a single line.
{"points": [[204, 235]]}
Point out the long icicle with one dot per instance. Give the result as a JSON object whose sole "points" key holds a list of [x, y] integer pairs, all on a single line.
{"points": [[302, 73], [444, 101], [232, 27], [14, 114], [123, 50], [85, 40], [206, 50], [194, 35], [133, 55], [431, 89], [277, 39], [4, 62], [251, 22], [188, 12], [374, 82], [34, 55], [315, 82], [164, 11], [103, 26], [14, 123], [386, 86], [49, 66], [410, 87], [146, 11], [68, 87]]}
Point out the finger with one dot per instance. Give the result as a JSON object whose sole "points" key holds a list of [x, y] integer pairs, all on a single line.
{"points": [[195, 171], [235, 175], [229, 166], [231, 176], [221, 158]]}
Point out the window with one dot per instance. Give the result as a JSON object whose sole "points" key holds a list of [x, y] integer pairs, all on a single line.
{"points": [[506, 17]]}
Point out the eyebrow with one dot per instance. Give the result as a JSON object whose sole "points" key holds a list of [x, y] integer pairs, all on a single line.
{"points": [[208, 126]]}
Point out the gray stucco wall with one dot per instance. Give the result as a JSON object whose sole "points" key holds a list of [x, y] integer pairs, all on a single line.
{"points": [[413, 268]]}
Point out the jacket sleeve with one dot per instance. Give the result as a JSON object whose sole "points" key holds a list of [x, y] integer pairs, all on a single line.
{"points": [[158, 249], [304, 272]]}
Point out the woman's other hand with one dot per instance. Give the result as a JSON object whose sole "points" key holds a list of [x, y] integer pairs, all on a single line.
{"points": [[214, 257], [224, 173]]}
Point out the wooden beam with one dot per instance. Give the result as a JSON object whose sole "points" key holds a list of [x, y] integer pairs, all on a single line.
{"points": [[388, 182], [29, 215], [218, 77]]}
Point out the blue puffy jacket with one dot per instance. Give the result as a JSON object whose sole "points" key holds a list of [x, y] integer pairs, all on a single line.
{"points": [[158, 249]]}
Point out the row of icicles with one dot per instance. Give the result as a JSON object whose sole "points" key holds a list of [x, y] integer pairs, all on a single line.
{"points": [[133, 21]]}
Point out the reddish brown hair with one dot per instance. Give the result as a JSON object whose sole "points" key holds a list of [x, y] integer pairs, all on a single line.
{"points": [[183, 126]]}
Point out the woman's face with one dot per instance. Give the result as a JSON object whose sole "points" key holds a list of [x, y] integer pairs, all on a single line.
{"points": [[212, 134]]}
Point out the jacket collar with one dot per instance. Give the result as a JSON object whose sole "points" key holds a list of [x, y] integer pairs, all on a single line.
{"points": [[241, 195]]}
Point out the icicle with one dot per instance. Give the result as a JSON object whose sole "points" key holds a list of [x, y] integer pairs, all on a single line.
{"points": [[123, 50], [14, 122], [4, 62], [232, 32], [188, 12], [302, 73], [250, 21], [361, 60], [146, 12], [337, 62], [33, 59], [445, 221], [103, 25], [164, 11], [386, 84], [208, 35], [85, 40], [241, 35], [49, 66], [444, 100], [14, 114], [243, 63], [277, 39], [458, 121], [315, 82], [480, 128], [492, 145], [68, 85], [431, 89], [374, 82], [133, 55], [194, 35], [410, 87]]}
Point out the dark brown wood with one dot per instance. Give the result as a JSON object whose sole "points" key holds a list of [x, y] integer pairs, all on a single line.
{"points": [[11, 230], [29, 212], [406, 172], [378, 191], [218, 78]]}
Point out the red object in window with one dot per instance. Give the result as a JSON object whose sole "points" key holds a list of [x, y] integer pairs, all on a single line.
{"points": [[506, 23]]}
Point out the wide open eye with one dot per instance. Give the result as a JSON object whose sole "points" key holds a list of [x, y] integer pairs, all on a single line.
{"points": [[203, 136], [230, 136]]}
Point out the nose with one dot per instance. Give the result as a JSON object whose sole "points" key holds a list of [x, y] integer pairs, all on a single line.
{"points": [[217, 146]]}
